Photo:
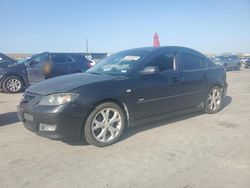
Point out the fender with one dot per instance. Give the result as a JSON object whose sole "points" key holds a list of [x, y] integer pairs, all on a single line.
{"points": [[23, 76]]}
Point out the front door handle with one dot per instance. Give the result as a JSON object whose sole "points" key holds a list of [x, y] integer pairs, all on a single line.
{"points": [[205, 75]]}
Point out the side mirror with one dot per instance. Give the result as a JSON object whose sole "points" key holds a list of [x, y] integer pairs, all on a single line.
{"points": [[149, 70], [30, 63]]}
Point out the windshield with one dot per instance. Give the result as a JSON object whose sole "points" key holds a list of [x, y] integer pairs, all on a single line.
{"points": [[119, 63], [23, 60], [219, 58]]}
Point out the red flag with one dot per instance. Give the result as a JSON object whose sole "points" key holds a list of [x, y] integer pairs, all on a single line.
{"points": [[156, 40]]}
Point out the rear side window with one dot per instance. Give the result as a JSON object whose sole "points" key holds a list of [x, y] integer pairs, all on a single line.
{"points": [[79, 58], [59, 58], [164, 62], [191, 62], [70, 59]]}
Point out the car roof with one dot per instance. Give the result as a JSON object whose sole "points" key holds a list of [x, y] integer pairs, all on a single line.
{"points": [[72, 53], [170, 48]]}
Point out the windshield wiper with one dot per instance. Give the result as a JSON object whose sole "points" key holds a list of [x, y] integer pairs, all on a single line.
{"points": [[92, 72]]}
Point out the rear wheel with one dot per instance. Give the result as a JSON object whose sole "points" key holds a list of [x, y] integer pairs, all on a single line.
{"points": [[214, 100], [13, 84], [104, 125]]}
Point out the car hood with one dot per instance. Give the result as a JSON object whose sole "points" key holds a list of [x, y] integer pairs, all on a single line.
{"points": [[67, 83], [7, 64]]}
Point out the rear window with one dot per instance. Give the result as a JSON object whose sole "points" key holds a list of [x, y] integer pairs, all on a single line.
{"points": [[59, 58], [78, 58], [191, 62]]}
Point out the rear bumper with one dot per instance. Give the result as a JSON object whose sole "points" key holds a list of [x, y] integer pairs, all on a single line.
{"points": [[68, 122]]}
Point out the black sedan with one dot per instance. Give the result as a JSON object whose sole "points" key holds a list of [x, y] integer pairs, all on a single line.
{"points": [[126, 89]]}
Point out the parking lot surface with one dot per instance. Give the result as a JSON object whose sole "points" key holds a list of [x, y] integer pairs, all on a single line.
{"points": [[194, 150]]}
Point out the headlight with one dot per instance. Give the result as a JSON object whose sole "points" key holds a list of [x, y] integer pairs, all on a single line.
{"points": [[58, 99]]}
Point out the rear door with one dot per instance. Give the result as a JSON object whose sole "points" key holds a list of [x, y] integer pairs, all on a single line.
{"points": [[195, 79], [81, 64], [72, 64], [35, 68], [60, 65]]}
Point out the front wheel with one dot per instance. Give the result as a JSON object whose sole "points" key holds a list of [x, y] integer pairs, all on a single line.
{"points": [[213, 100], [13, 84], [104, 125]]}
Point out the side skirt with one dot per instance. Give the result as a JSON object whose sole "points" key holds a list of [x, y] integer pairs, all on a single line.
{"points": [[165, 116]]}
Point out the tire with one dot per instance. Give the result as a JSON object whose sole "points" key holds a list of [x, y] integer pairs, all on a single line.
{"points": [[13, 84], [225, 66], [213, 101], [98, 130], [238, 67]]}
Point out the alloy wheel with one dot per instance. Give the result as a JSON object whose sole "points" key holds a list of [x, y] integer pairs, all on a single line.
{"points": [[106, 125], [214, 99], [14, 85]]}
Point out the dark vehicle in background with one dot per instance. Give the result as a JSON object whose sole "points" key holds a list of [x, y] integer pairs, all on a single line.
{"points": [[127, 88], [12, 75], [231, 62], [16, 76]]}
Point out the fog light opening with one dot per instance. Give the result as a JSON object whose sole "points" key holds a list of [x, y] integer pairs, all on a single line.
{"points": [[46, 127]]}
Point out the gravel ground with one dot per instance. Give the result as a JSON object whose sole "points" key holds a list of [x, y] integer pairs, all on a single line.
{"points": [[195, 150]]}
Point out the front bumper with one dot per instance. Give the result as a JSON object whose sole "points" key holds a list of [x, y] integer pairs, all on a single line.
{"points": [[67, 119]]}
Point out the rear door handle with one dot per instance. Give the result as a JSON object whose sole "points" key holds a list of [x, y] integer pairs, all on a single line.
{"points": [[176, 79]]}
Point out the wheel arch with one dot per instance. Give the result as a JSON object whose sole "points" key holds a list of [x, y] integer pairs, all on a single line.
{"points": [[220, 85], [12, 74], [120, 103]]}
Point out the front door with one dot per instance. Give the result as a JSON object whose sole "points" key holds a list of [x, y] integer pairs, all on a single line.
{"points": [[35, 68], [158, 93]]}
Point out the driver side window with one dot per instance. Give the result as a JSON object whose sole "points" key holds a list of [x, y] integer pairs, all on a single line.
{"points": [[164, 62], [38, 58]]}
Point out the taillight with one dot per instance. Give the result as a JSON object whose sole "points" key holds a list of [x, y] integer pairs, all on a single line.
{"points": [[89, 65]]}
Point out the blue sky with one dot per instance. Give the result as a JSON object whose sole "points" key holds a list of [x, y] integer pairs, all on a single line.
{"points": [[209, 26]]}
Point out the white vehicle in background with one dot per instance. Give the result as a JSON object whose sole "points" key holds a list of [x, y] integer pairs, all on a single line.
{"points": [[231, 62], [92, 62], [247, 63]]}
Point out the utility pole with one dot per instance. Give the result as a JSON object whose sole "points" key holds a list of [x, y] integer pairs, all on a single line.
{"points": [[87, 46]]}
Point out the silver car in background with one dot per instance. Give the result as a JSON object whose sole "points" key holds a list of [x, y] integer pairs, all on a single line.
{"points": [[231, 62]]}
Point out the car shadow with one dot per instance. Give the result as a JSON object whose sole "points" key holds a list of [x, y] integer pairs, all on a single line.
{"points": [[131, 131], [8, 118], [226, 101]]}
